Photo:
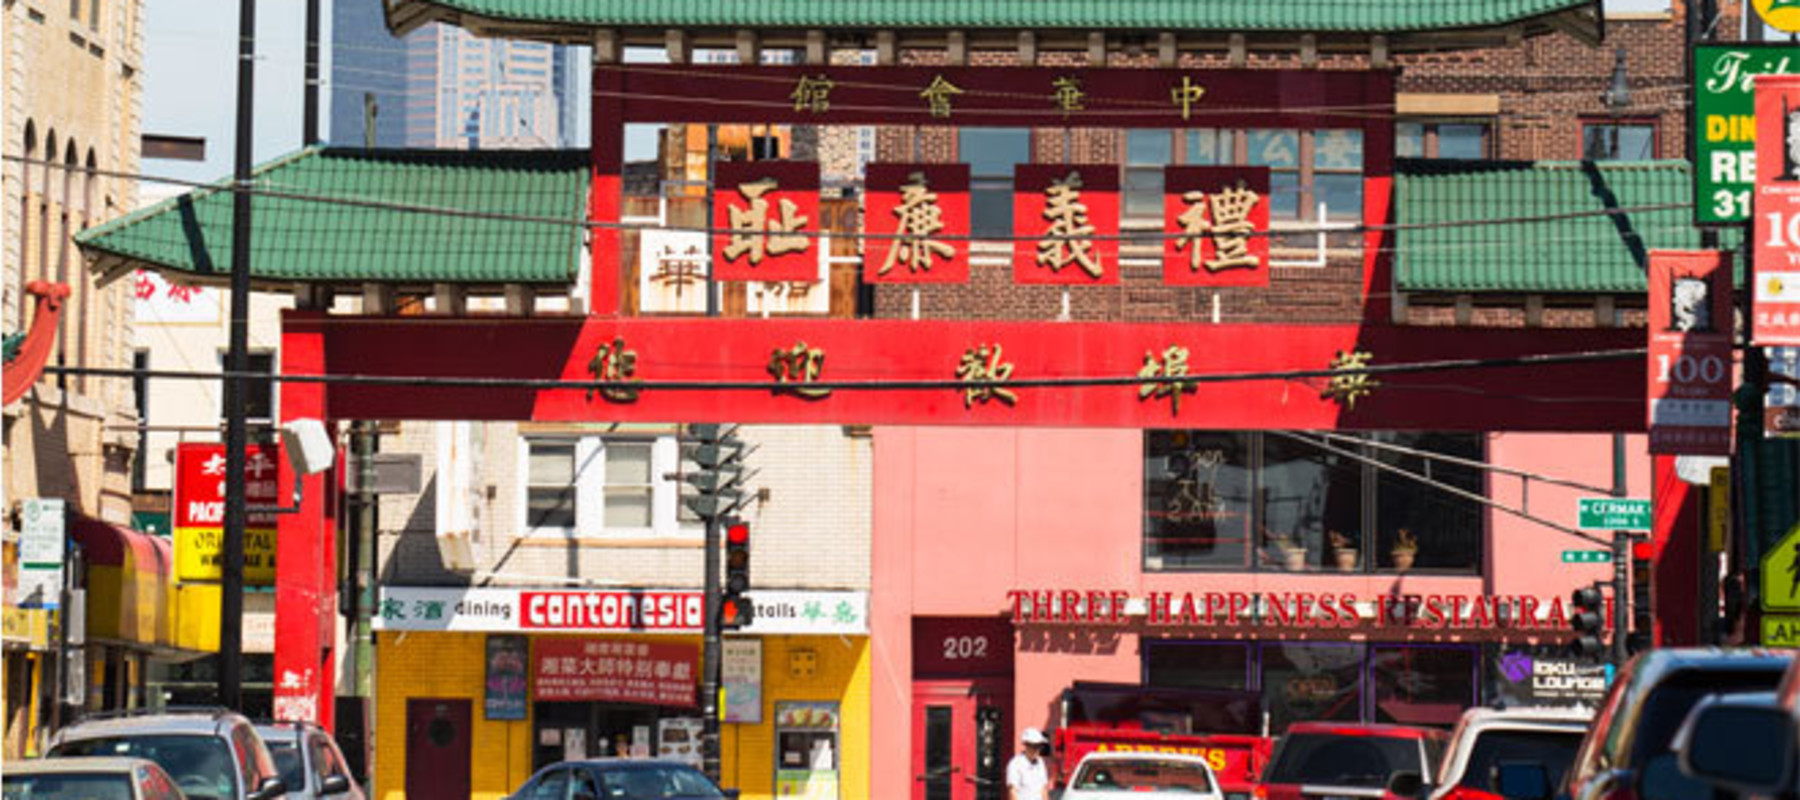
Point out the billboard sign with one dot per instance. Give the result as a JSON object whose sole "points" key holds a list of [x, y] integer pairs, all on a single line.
{"points": [[1724, 124]]}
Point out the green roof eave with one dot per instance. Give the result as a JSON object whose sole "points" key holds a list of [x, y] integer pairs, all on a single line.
{"points": [[325, 215]]}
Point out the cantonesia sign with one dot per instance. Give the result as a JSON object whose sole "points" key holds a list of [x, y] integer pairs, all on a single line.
{"points": [[514, 610], [1321, 610]]}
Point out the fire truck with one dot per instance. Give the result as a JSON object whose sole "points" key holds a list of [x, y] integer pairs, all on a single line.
{"points": [[1227, 728]]}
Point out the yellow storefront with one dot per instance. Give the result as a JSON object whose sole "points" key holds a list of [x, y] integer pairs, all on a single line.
{"points": [[453, 667]]}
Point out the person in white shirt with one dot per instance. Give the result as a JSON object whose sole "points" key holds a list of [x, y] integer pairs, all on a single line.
{"points": [[1027, 777]]}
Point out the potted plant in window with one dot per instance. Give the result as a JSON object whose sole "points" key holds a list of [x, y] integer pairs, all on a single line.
{"points": [[1343, 552], [1287, 552], [1405, 549]]}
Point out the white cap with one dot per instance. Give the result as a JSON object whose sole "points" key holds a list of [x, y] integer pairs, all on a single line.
{"points": [[1033, 736]]}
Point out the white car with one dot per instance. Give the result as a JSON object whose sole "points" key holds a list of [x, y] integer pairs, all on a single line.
{"points": [[1104, 776], [1487, 738]]}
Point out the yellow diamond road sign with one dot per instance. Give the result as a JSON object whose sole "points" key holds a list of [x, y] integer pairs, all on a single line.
{"points": [[1781, 574]]}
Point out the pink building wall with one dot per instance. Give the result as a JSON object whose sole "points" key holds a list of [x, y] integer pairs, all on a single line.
{"points": [[962, 515]]}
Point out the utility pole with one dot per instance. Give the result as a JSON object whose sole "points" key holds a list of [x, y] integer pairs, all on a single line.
{"points": [[719, 454], [231, 604], [309, 116], [1621, 553]]}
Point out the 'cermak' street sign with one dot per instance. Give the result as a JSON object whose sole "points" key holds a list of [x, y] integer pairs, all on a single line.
{"points": [[1614, 514]]}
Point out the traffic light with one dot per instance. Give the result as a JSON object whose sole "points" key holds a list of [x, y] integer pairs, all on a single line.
{"points": [[1587, 615], [719, 454], [735, 610]]}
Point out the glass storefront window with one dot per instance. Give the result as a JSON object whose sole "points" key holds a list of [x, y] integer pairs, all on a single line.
{"points": [[1308, 500], [1197, 665], [1422, 685], [1311, 681], [1439, 530], [1197, 508]]}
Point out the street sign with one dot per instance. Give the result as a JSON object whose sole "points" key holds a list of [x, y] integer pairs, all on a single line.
{"points": [[1780, 631], [41, 552], [1587, 556], [1724, 125], [1781, 574], [1614, 514]]}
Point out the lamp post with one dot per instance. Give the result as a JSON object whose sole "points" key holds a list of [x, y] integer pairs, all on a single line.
{"points": [[1616, 99]]}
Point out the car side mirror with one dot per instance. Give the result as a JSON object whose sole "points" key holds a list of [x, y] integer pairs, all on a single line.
{"points": [[335, 784], [1747, 749], [1406, 783], [1521, 780], [269, 789]]}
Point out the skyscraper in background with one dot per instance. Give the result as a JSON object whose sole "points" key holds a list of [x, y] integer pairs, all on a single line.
{"points": [[441, 87]]}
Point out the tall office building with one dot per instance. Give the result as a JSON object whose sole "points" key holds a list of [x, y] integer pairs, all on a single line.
{"points": [[368, 74]]}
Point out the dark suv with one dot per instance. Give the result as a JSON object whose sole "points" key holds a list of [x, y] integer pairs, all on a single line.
{"points": [[213, 754], [1628, 754]]}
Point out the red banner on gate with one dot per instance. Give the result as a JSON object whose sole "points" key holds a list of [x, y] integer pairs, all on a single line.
{"points": [[1216, 220], [1776, 298], [928, 204], [772, 209], [1073, 202], [1690, 353], [653, 673]]}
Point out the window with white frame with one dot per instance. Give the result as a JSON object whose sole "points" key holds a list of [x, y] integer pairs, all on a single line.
{"points": [[604, 486]]}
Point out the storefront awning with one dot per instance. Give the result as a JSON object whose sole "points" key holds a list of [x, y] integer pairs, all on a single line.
{"points": [[128, 583]]}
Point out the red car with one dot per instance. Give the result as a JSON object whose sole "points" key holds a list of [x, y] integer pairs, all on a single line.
{"points": [[1339, 761]]}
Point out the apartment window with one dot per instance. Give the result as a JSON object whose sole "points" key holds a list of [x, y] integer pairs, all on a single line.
{"points": [[259, 400], [1207, 147], [1146, 153], [991, 154], [94, 16], [1279, 502], [1625, 140], [1442, 139], [611, 486]]}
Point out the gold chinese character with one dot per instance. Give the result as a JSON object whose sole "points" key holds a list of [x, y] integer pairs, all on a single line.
{"points": [[749, 224], [612, 363], [920, 217], [1229, 225], [1186, 96], [1347, 388], [1173, 363], [938, 94], [1068, 95], [678, 270], [983, 364], [799, 365], [1068, 218], [812, 94]]}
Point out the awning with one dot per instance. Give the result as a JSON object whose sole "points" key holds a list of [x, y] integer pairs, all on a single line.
{"points": [[129, 590]]}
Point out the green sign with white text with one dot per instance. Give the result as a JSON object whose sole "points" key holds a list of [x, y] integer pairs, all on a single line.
{"points": [[1724, 124], [1614, 514], [1587, 556]]}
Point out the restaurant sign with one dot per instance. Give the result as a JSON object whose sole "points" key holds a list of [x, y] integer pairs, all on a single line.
{"points": [[513, 610], [595, 670], [1292, 609]]}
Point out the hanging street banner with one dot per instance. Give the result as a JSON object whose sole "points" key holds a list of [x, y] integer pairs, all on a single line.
{"points": [[199, 513], [1776, 298], [43, 548], [1689, 372], [1075, 209], [772, 211], [1217, 222], [928, 206], [1723, 124]]}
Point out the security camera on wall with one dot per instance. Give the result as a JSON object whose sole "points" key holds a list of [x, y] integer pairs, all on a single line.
{"points": [[309, 447]]}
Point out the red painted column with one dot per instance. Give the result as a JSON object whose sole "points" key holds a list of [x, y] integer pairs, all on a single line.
{"points": [[1674, 551], [605, 191], [305, 568], [1378, 202]]}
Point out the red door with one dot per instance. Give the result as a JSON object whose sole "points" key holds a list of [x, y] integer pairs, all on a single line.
{"points": [[961, 739], [437, 749]]}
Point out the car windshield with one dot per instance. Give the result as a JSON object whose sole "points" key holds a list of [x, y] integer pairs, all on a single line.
{"points": [[1671, 701], [1555, 750], [1337, 760], [1142, 775], [73, 786], [200, 764], [288, 763], [657, 782]]}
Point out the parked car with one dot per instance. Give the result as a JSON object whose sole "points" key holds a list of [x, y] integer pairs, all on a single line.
{"points": [[1340, 760], [309, 761], [212, 754], [1746, 743], [620, 779], [1628, 754], [1486, 739], [1101, 776], [87, 779]]}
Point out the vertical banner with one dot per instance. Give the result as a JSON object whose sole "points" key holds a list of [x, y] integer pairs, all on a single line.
{"points": [[1216, 224], [927, 205], [507, 655], [43, 547], [1690, 353], [1776, 296], [771, 209], [199, 513], [740, 673], [1066, 218]]}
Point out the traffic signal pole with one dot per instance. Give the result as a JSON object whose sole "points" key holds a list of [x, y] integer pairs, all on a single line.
{"points": [[710, 656], [1621, 547]]}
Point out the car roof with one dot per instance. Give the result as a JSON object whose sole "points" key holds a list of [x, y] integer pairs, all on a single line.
{"points": [[623, 763], [1140, 755], [1364, 729], [271, 731], [1652, 668], [197, 723], [72, 766], [1498, 717]]}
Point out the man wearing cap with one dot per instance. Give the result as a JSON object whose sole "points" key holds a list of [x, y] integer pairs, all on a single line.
{"points": [[1027, 778]]}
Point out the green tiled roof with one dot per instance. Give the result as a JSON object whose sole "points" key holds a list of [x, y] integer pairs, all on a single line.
{"points": [[1369, 16], [305, 240], [1594, 253]]}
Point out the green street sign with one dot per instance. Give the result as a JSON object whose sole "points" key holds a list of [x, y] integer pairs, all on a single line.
{"points": [[1614, 514], [1587, 556], [1724, 125]]}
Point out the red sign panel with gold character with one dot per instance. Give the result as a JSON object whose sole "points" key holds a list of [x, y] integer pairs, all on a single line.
{"points": [[926, 208], [1216, 220], [767, 213], [1066, 220]]}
